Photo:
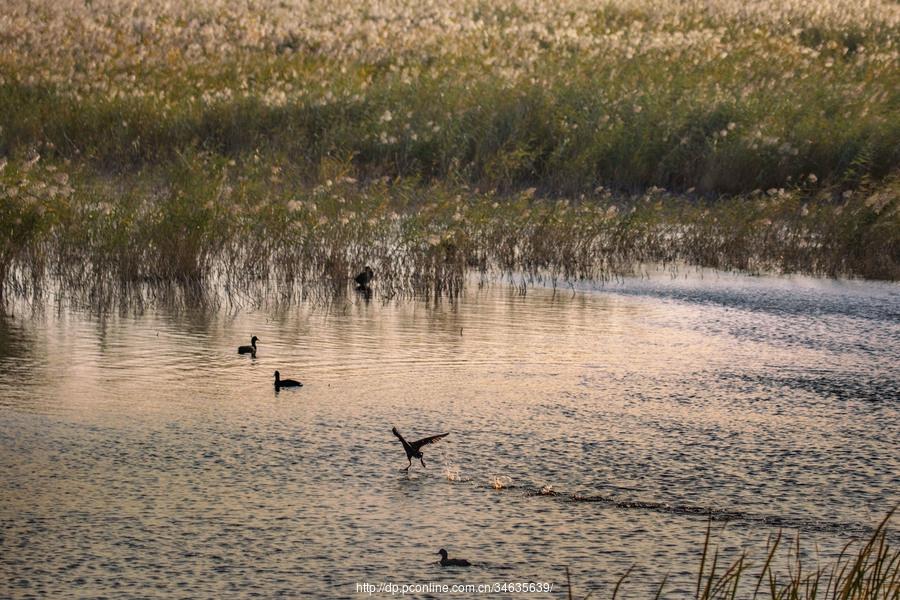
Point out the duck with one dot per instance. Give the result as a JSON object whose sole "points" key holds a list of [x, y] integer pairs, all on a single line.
{"points": [[365, 277], [452, 562], [251, 349], [280, 383], [413, 449]]}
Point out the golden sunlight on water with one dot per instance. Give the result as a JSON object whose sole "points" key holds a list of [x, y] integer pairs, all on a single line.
{"points": [[595, 429]]}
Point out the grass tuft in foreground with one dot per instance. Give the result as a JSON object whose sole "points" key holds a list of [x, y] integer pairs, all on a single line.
{"points": [[869, 572]]}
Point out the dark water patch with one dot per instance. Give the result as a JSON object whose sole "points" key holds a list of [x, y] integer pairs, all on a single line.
{"points": [[826, 384], [712, 513], [836, 317], [784, 296]]}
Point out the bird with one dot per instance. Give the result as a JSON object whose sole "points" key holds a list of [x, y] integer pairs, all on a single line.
{"points": [[412, 450], [251, 349], [452, 562], [280, 383], [365, 277]]}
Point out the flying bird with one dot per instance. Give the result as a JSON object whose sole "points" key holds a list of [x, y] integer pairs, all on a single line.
{"points": [[413, 449]]}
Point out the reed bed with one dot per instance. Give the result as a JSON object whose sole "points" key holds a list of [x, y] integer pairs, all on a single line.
{"points": [[210, 223], [146, 143]]}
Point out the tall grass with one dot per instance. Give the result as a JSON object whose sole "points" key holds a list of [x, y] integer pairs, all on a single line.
{"points": [[207, 221], [719, 97], [871, 572], [208, 141], [626, 95], [725, 126], [867, 571]]}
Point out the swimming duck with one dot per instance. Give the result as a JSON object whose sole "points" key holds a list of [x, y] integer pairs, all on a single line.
{"points": [[280, 383], [452, 562], [412, 450], [251, 349], [365, 277]]}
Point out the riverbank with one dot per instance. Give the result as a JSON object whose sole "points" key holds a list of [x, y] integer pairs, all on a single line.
{"points": [[208, 219]]}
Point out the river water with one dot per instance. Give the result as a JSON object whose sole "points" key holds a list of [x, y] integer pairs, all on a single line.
{"points": [[594, 428]]}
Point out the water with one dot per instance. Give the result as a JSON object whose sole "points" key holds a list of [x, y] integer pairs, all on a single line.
{"points": [[141, 456]]}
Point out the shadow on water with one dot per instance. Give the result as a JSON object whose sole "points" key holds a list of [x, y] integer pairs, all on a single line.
{"points": [[874, 388], [16, 343]]}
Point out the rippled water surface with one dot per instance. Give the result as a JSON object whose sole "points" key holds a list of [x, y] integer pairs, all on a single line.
{"points": [[141, 456]]}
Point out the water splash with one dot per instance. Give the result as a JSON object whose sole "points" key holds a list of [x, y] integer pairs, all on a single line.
{"points": [[498, 482], [451, 472]]}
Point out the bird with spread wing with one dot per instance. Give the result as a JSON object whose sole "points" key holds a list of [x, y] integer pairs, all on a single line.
{"points": [[413, 449]]}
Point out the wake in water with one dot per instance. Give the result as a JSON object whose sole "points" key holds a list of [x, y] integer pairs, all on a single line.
{"points": [[504, 482], [451, 472], [499, 482], [715, 514]]}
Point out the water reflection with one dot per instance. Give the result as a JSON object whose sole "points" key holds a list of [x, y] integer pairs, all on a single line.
{"points": [[594, 429]]}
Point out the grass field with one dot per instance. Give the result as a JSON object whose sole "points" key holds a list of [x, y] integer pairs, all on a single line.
{"points": [[151, 141]]}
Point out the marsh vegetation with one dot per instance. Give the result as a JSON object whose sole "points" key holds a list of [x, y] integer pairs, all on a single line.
{"points": [[292, 142]]}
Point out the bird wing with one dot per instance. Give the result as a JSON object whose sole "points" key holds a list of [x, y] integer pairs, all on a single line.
{"points": [[429, 440], [406, 445]]}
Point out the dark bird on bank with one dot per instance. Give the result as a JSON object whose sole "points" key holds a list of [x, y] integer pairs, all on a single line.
{"points": [[413, 449], [452, 562], [280, 383], [365, 277], [251, 349]]}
